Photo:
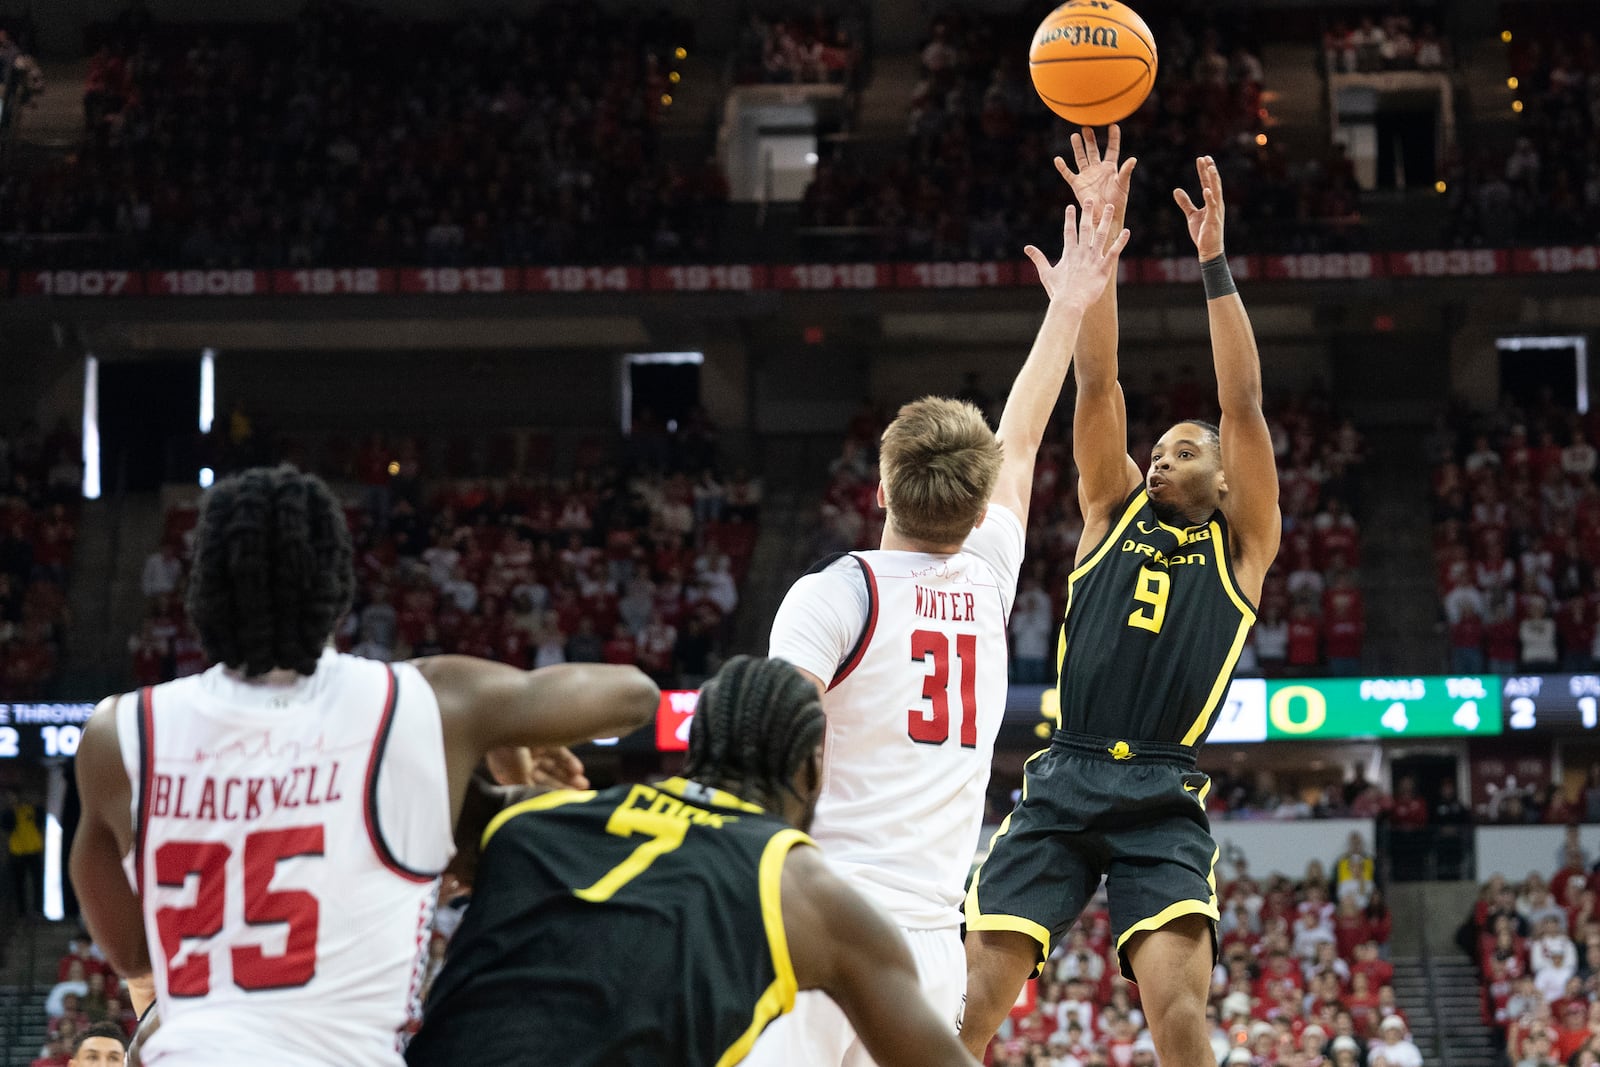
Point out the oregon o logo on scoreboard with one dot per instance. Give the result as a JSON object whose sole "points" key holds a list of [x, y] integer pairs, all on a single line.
{"points": [[1281, 709]]}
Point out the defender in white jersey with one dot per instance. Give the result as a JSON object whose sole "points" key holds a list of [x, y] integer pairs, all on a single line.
{"points": [[908, 645], [260, 844]]}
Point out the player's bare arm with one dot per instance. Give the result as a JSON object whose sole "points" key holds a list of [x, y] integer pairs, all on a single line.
{"points": [[105, 834], [1106, 474], [1074, 282], [486, 706], [840, 944], [1248, 464]]}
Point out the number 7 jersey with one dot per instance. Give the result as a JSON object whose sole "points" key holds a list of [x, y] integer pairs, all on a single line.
{"points": [[913, 649], [287, 846]]}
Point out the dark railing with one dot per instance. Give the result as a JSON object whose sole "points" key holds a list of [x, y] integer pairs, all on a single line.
{"points": [[1431, 854]]}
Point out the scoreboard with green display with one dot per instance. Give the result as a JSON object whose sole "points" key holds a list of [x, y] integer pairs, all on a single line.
{"points": [[1419, 706]]}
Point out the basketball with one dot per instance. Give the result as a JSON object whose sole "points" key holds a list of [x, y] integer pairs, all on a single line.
{"points": [[1093, 61]]}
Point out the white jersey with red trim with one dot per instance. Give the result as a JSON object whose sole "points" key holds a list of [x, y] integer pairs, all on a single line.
{"points": [[915, 648], [288, 841]]}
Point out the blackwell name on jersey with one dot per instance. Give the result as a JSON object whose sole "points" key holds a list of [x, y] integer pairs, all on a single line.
{"points": [[182, 796]]}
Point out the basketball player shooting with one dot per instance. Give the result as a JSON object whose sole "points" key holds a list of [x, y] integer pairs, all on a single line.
{"points": [[907, 644], [262, 842], [1158, 609]]}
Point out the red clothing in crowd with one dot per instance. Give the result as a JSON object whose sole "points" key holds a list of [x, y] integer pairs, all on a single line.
{"points": [[1410, 813]]}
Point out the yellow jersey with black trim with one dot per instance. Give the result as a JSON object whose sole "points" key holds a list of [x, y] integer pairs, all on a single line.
{"points": [[1153, 630], [640, 926]]}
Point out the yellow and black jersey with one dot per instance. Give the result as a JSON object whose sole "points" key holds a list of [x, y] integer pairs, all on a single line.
{"points": [[635, 927], [1153, 630]]}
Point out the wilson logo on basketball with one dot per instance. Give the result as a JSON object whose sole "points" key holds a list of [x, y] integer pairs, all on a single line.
{"points": [[1095, 36]]}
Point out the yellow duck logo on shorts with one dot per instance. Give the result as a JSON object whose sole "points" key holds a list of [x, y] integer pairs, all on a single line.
{"points": [[1120, 750]]}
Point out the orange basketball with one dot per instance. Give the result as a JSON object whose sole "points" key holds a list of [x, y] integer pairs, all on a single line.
{"points": [[1093, 61]]}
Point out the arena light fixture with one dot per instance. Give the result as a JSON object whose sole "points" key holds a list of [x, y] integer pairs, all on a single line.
{"points": [[208, 389], [1578, 343], [91, 428]]}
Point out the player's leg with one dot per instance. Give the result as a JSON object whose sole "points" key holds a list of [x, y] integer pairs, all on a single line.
{"points": [[998, 963], [1174, 967], [1036, 879], [1161, 885]]}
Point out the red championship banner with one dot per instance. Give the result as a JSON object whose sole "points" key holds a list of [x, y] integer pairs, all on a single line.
{"points": [[79, 283], [699, 278], [583, 279], [1323, 267], [449, 281], [1449, 263], [967, 274], [1564, 259], [815, 277], [206, 283], [1169, 270], [833, 276], [334, 281]]}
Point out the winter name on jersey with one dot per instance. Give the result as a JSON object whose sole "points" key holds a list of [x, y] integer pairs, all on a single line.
{"points": [[180, 796], [949, 607]]}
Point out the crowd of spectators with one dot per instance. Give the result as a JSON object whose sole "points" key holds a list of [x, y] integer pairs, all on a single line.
{"points": [[21, 78], [1547, 186], [348, 136], [40, 484], [819, 46], [87, 992], [1516, 512], [1387, 42], [1537, 945], [1303, 981], [975, 179], [605, 564], [1312, 613]]}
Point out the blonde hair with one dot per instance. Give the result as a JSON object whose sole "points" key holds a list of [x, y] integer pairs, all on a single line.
{"points": [[939, 461]]}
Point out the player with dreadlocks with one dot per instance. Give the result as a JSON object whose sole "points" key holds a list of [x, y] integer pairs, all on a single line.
{"points": [[667, 924], [260, 844]]}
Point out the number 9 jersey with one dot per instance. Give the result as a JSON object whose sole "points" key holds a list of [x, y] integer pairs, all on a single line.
{"points": [[913, 649], [1153, 630], [287, 845]]}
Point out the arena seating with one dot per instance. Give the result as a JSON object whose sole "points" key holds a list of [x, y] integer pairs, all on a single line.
{"points": [[1297, 957], [1516, 538], [1545, 186], [1312, 612], [974, 180], [87, 991], [640, 567], [802, 45], [40, 484], [1535, 942], [346, 136]]}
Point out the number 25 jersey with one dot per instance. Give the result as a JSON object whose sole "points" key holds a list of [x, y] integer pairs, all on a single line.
{"points": [[1153, 630], [287, 843]]}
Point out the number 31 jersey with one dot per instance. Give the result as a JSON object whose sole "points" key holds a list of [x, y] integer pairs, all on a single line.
{"points": [[287, 845], [914, 649]]}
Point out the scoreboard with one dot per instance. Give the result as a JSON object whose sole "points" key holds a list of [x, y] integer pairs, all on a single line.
{"points": [[1552, 703], [32, 732]]}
